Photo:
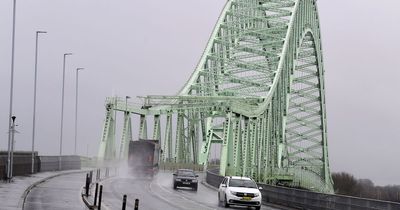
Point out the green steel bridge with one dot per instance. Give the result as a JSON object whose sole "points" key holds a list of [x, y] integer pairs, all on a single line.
{"points": [[258, 91]]}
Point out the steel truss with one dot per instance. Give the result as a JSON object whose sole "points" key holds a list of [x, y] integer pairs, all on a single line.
{"points": [[258, 90]]}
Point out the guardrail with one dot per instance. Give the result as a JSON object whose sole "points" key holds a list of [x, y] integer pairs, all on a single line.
{"points": [[303, 199], [175, 166]]}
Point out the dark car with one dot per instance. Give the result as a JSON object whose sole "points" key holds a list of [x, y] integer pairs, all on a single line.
{"points": [[185, 178]]}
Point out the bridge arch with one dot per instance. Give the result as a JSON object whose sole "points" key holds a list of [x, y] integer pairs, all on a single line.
{"points": [[258, 91]]}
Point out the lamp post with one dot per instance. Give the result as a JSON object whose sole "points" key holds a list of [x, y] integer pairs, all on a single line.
{"points": [[62, 111], [12, 147], [9, 173], [34, 101], [76, 106]]}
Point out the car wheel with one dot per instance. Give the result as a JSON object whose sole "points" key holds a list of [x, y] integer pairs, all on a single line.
{"points": [[258, 207], [195, 187], [175, 186], [226, 202]]}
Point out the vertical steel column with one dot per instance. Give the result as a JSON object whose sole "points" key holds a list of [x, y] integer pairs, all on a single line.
{"points": [[167, 153], [126, 136], [267, 146], [205, 148], [252, 147], [156, 128], [180, 139], [188, 138], [237, 146], [226, 150], [245, 146], [194, 138], [143, 127], [108, 137]]}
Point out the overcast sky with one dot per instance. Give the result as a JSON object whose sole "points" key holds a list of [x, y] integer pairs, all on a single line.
{"points": [[136, 48]]}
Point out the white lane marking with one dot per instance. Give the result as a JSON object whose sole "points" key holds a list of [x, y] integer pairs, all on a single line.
{"points": [[162, 197], [182, 196]]}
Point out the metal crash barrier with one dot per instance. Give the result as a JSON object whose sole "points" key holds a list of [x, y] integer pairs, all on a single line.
{"points": [[303, 199]]}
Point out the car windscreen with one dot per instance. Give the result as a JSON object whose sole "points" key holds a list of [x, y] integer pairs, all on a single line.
{"points": [[242, 183], [186, 173]]}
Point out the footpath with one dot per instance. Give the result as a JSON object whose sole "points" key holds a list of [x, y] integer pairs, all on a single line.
{"points": [[12, 194]]}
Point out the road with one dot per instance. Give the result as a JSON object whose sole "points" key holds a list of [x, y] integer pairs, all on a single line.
{"points": [[159, 194], [58, 193]]}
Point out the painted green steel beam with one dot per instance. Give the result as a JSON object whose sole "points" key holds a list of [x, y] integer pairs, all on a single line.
{"points": [[258, 91]]}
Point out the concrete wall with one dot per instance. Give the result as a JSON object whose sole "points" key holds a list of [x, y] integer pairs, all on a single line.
{"points": [[23, 163], [50, 163]]}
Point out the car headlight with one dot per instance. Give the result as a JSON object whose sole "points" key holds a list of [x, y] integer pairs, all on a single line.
{"points": [[178, 180], [233, 193], [256, 194], [194, 180]]}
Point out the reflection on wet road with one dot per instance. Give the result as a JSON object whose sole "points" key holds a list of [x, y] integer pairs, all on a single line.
{"points": [[159, 194], [58, 193]]}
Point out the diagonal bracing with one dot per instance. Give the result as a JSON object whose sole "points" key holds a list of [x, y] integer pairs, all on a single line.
{"points": [[258, 92]]}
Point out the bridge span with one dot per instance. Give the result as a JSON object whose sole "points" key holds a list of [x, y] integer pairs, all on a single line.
{"points": [[258, 92], [158, 193], [65, 190]]}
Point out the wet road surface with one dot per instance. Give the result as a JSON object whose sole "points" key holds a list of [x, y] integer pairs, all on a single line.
{"points": [[59, 193], [159, 194]]}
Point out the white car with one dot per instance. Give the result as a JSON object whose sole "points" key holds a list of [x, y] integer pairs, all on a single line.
{"points": [[241, 191]]}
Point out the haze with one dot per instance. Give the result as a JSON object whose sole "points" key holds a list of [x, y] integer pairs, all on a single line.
{"points": [[136, 48]]}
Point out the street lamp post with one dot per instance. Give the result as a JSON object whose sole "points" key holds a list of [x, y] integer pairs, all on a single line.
{"points": [[34, 101], [76, 107], [62, 111], [12, 146], [9, 173]]}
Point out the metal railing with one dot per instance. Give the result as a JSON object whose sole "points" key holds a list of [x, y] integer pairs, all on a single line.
{"points": [[303, 199]]}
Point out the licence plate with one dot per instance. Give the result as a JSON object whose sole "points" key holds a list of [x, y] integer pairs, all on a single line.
{"points": [[246, 198], [186, 182]]}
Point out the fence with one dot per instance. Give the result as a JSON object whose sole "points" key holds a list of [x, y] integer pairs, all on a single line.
{"points": [[303, 199]]}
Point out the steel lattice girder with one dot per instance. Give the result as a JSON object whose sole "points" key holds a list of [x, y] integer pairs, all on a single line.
{"points": [[258, 90]]}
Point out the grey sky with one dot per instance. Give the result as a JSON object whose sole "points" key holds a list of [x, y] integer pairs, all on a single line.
{"points": [[132, 47]]}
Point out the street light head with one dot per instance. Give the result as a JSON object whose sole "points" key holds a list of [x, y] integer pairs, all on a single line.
{"points": [[127, 97], [78, 69], [41, 32], [65, 54]]}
